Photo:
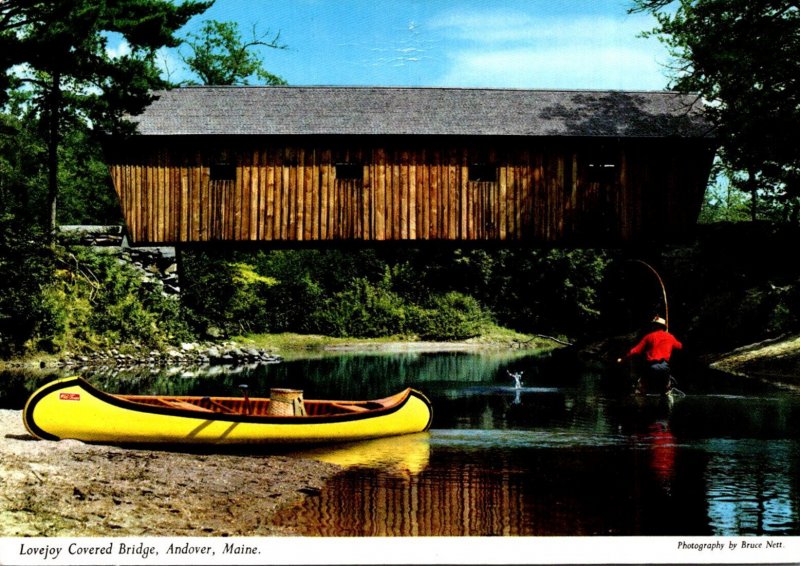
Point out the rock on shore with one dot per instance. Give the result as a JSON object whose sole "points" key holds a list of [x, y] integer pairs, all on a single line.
{"points": [[69, 488], [224, 355], [774, 361], [187, 355]]}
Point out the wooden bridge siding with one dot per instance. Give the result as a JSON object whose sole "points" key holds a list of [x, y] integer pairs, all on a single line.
{"points": [[664, 189], [542, 193]]}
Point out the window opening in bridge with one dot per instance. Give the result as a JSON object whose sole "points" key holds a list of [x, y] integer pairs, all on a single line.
{"points": [[222, 172], [601, 170], [349, 171], [482, 173]]}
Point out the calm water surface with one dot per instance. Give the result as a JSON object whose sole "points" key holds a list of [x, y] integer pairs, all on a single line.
{"points": [[567, 454]]}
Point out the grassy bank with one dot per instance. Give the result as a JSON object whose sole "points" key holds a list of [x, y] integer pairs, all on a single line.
{"points": [[493, 337], [288, 344]]}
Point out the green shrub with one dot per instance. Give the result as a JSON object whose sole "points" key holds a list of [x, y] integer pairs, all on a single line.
{"points": [[451, 316], [106, 302], [289, 305], [207, 288], [364, 309]]}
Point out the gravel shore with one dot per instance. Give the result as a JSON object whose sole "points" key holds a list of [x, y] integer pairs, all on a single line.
{"points": [[70, 488]]}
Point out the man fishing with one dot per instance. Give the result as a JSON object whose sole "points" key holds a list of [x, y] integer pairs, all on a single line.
{"points": [[656, 347]]}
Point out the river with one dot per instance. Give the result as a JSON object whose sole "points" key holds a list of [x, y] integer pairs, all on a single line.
{"points": [[565, 453]]}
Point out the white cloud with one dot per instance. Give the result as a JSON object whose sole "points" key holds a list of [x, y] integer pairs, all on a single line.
{"points": [[608, 67], [505, 27], [516, 49], [120, 49]]}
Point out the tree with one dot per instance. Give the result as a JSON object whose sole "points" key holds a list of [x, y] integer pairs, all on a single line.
{"points": [[63, 45], [743, 57], [219, 56]]}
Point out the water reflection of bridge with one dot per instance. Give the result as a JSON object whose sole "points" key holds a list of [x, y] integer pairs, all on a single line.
{"points": [[540, 492], [467, 505]]}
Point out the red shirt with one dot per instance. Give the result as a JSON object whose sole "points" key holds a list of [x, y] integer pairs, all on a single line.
{"points": [[657, 345]]}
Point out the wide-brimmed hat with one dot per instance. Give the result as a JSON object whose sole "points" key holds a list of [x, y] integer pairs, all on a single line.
{"points": [[659, 320]]}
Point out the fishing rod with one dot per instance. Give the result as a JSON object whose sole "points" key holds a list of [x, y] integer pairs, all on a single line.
{"points": [[663, 290]]}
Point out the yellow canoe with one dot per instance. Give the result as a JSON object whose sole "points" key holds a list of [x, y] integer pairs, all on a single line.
{"points": [[71, 408]]}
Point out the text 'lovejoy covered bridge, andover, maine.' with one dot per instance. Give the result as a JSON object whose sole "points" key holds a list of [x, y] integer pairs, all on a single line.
{"points": [[324, 164]]}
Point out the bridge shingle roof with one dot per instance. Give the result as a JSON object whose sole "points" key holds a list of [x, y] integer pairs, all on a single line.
{"points": [[300, 110]]}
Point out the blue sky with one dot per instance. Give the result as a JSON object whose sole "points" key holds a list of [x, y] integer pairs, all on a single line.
{"points": [[577, 44]]}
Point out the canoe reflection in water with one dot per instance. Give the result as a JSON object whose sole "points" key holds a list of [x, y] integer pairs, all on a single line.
{"points": [[403, 456]]}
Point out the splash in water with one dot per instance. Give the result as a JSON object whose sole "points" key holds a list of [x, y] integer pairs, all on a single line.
{"points": [[517, 379]]}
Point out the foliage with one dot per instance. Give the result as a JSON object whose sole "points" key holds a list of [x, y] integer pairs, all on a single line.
{"points": [[22, 175], [221, 293], [219, 55], [61, 47], [451, 316], [119, 306], [26, 268], [723, 201], [54, 299], [208, 289], [86, 194], [558, 291], [436, 294], [743, 57], [363, 309]]}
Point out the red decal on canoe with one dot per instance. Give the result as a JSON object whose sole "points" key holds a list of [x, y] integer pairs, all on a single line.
{"points": [[70, 396]]}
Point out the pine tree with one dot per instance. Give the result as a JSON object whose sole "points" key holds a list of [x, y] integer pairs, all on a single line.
{"points": [[60, 50]]}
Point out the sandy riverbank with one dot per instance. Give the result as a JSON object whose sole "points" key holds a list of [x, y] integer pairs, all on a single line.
{"points": [[69, 488]]}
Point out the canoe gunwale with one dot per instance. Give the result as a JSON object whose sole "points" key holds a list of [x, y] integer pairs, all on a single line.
{"points": [[200, 413]]}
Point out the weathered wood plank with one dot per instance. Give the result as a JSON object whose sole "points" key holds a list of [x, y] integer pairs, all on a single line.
{"points": [[325, 173], [542, 192], [463, 192], [285, 200], [197, 203], [379, 169], [268, 195], [435, 181], [403, 190], [423, 195], [251, 182], [308, 169], [414, 204], [312, 182]]}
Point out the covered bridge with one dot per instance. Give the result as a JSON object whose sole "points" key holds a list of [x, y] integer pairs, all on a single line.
{"points": [[315, 164]]}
